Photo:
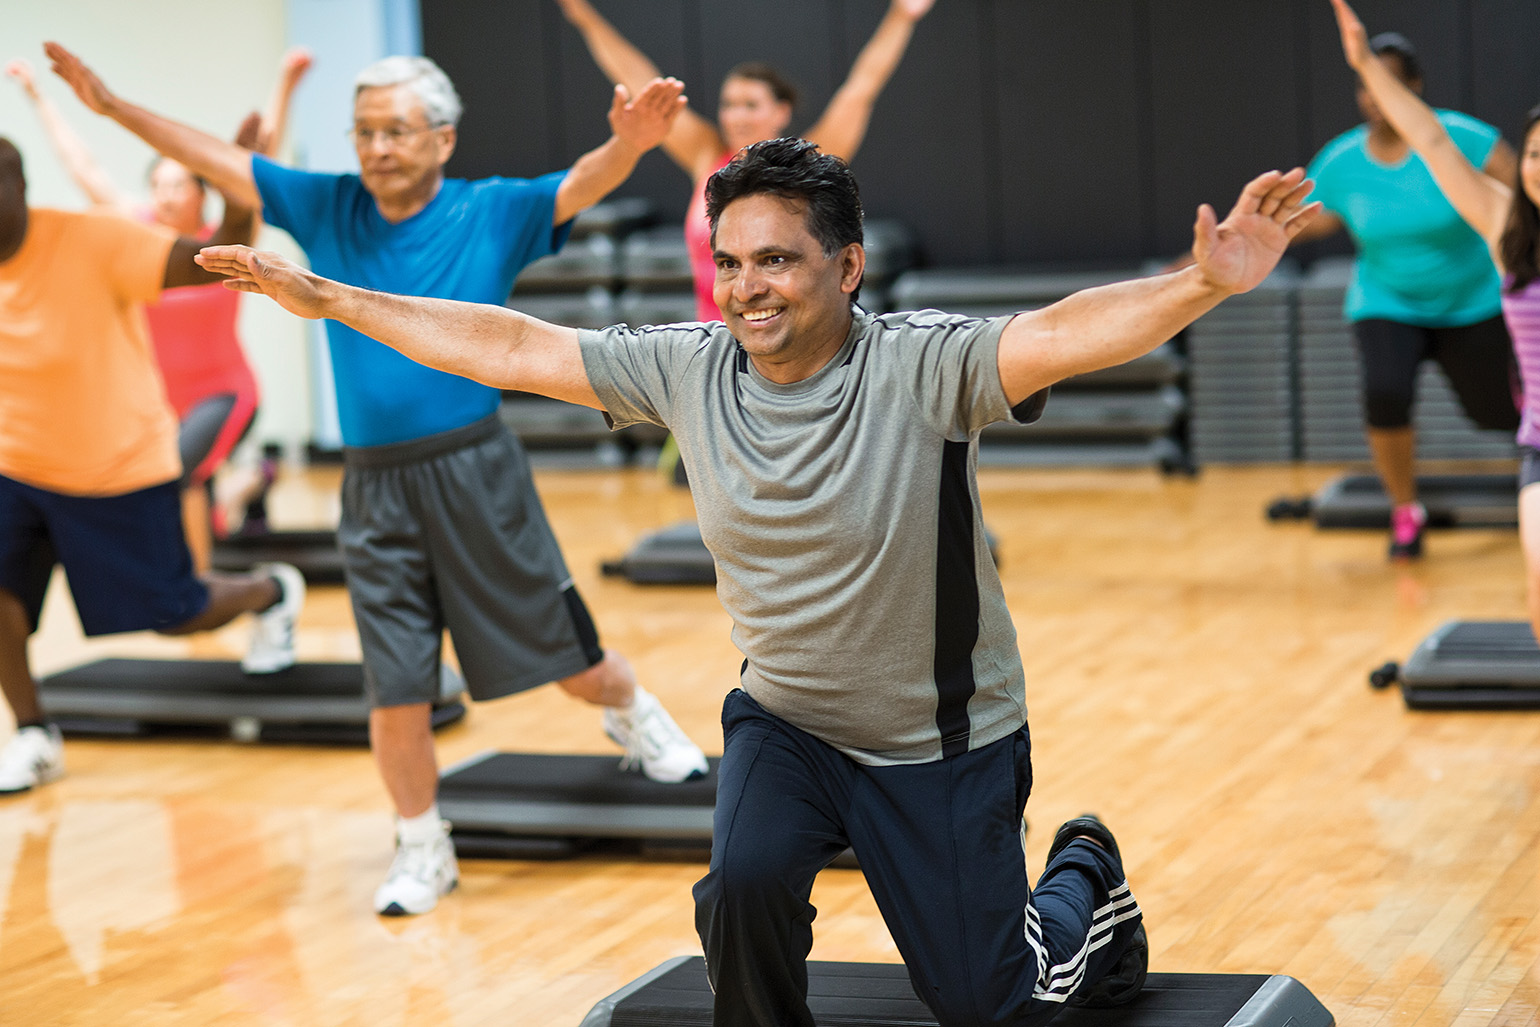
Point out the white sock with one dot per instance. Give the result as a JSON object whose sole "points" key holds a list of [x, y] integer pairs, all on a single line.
{"points": [[424, 827]]}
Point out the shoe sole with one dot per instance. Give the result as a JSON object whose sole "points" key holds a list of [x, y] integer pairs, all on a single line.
{"points": [[47, 777], [1089, 825], [396, 909]]}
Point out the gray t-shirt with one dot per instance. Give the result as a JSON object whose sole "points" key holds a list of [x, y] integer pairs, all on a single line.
{"points": [[843, 515]]}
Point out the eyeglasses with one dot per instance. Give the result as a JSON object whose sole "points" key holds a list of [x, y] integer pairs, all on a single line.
{"points": [[391, 137]]}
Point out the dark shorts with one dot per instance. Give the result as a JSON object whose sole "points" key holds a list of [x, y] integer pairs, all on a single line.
{"points": [[125, 557], [447, 532], [1477, 359], [1529, 466]]}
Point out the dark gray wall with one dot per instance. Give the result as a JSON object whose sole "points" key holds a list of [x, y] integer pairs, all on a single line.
{"points": [[1016, 131]]}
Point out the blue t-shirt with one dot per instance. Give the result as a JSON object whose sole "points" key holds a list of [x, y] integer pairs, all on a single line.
{"points": [[469, 244], [1418, 261]]}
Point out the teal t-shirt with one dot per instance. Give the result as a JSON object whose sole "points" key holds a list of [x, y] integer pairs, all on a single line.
{"points": [[1418, 261]]}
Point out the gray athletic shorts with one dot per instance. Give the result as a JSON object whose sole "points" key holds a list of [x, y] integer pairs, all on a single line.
{"points": [[447, 531], [1529, 466]]}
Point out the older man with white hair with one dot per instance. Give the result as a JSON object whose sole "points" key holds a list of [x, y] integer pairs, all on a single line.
{"points": [[441, 525]]}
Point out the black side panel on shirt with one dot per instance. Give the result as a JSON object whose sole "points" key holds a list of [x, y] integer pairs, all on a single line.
{"points": [[957, 601]]}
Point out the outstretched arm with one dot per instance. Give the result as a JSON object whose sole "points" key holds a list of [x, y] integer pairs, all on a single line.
{"points": [[1481, 200], [842, 126], [1112, 324], [693, 142], [489, 344], [636, 126], [275, 117], [225, 165], [72, 151]]}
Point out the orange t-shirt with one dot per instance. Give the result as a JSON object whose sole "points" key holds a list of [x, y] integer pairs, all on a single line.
{"points": [[82, 407]]}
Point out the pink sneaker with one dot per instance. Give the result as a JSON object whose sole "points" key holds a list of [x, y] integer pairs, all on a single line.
{"points": [[1407, 524]]}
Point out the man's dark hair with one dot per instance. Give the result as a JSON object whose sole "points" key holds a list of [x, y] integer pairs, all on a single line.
{"points": [[793, 169], [1397, 44]]}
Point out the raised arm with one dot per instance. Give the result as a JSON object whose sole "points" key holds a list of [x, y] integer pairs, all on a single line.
{"points": [[490, 344], [275, 117], [693, 142], [225, 165], [636, 126], [1113, 324], [77, 158], [1481, 200], [842, 126]]}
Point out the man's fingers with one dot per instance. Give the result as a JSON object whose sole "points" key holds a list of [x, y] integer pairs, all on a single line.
{"points": [[1256, 190], [1296, 196], [1302, 217], [1266, 194]]}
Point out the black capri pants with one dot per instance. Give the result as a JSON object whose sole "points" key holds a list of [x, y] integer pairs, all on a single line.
{"points": [[1477, 359]]}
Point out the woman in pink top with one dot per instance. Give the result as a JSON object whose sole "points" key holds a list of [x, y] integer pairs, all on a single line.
{"points": [[208, 380], [756, 104], [1509, 220]]}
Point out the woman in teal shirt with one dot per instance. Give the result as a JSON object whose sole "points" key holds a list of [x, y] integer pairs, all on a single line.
{"points": [[1423, 284]]}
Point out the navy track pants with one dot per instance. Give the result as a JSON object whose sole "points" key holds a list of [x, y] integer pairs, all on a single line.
{"points": [[941, 846]]}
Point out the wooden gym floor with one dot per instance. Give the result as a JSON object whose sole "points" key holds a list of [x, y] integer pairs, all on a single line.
{"points": [[1195, 674]]}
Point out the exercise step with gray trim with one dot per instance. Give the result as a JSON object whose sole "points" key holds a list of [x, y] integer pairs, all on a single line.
{"points": [[677, 994], [1470, 665], [525, 805], [322, 703]]}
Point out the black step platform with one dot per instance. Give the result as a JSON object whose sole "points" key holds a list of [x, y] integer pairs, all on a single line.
{"points": [[315, 553], [525, 805], [676, 555], [879, 995], [320, 703], [1470, 665], [1452, 501]]}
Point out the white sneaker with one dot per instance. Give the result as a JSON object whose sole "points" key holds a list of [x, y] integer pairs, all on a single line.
{"points": [[421, 872], [272, 637], [34, 756], [653, 741]]}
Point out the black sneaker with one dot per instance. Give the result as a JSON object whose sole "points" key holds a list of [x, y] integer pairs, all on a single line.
{"points": [[1125, 980], [1088, 825]]}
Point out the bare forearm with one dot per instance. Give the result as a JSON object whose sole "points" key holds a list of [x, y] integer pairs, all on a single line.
{"points": [[1100, 327], [225, 165], [621, 62], [236, 228], [1413, 119], [1480, 199], [880, 57], [76, 157], [594, 176], [489, 344], [842, 127]]}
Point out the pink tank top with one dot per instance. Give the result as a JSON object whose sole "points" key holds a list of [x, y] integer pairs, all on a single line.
{"points": [[200, 355], [697, 239], [1522, 312]]}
